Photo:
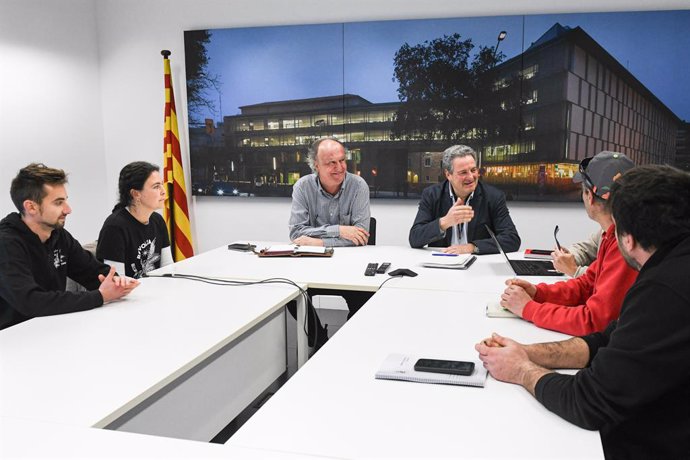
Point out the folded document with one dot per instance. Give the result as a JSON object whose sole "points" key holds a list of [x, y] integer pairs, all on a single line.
{"points": [[401, 367]]}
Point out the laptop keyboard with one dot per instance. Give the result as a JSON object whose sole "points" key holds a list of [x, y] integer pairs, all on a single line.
{"points": [[526, 267]]}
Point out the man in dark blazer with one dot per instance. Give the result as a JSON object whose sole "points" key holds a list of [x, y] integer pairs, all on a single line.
{"points": [[452, 214]]}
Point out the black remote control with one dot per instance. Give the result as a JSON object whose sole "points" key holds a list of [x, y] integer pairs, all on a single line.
{"points": [[383, 267], [371, 269]]}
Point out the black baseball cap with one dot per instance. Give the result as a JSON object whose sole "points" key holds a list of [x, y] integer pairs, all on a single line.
{"points": [[601, 171]]}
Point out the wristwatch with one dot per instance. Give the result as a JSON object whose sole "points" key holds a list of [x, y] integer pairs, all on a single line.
{"points": [[476, 249]]}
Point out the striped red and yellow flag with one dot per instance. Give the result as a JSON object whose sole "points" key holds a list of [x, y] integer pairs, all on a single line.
{"points": [[176, 210]]}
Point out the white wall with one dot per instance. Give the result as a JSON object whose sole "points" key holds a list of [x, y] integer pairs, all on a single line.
{"points": [[50, 108], [132, 33], [63, 55], [266, 219]]}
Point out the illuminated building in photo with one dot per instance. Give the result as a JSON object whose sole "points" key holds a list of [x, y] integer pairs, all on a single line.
{"points": [[567, 98], [683, 147], [268, 142], [575, 100]]}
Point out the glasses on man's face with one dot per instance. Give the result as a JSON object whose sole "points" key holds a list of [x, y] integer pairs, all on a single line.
{"points": [[585, 177]]}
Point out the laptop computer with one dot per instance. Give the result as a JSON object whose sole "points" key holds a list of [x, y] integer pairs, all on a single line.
{"points": [[526, 267]]}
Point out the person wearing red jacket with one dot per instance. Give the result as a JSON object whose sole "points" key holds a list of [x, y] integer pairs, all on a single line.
{"points": [[633, 379], [590, 302]]}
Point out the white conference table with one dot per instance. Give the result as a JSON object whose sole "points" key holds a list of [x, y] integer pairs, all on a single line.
{"points": [[175, 358], [22, 438], [334, 407], [345, 269], [179, 358]]}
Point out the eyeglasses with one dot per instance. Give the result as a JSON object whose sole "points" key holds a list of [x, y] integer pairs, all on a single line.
{"points": [[585, 177], [555, 237], [583, 171]]}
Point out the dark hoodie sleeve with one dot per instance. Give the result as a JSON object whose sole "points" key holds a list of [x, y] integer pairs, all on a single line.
{"points": [[21, 291], [569, 395], [82, 266], [640, 366]]}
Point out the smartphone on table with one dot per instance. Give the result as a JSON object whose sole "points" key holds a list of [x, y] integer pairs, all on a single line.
{"points": [[442, 366], [539, 252]]}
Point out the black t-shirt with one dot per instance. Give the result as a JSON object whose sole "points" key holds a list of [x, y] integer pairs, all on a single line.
{"points": [[124, 239]]}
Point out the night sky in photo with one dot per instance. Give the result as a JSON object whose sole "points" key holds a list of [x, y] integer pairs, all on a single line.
{"points": [[266, 64]]}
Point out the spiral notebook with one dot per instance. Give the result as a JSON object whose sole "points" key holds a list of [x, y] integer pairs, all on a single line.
{"points": [[401, 367]]}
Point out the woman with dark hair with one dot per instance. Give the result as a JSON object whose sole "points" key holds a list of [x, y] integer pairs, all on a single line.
{"points": [[134, 238]]}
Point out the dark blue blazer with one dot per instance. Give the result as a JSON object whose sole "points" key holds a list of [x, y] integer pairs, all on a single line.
{"points": [[490, 208]]}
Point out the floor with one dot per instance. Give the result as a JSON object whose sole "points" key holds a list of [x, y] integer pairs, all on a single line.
{"points": [[332, 310]]}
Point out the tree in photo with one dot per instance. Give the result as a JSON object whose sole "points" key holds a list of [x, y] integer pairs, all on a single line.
{"points": [[447, 94], [199, 81]]}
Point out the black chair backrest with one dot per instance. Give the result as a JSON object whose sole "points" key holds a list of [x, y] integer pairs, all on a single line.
{"points": [[372, 231]]}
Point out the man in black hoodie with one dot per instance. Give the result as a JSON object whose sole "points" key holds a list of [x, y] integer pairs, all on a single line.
{"points": [[37, 254], [634, 385]]}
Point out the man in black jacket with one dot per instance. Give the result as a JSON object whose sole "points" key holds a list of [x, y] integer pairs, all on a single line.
{"points": [[37, 254], [634, 385], [453, 214]]}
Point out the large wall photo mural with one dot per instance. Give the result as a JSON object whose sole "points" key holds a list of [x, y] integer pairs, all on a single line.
{"points": [[533, 95]]}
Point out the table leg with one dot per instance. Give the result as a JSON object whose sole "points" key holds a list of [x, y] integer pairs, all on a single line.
{"points": [[302, 342]]}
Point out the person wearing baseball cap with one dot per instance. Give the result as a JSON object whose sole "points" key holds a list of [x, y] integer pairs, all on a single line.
{"points": [[632, 382], [588, 303], [574, 260], [599, 172]]}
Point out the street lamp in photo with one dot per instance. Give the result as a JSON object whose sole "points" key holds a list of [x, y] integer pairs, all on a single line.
{"points": [[501, 36]]}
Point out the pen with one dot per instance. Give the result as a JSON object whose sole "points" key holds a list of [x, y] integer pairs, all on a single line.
{"points": [[443, 254]]}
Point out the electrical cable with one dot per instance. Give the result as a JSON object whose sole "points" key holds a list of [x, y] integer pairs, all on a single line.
{"points": [[389, 278], [226, 282]]}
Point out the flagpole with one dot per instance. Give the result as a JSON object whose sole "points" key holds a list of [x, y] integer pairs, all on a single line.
{"points": [[170, 189], [177, 210], [171, 213]]}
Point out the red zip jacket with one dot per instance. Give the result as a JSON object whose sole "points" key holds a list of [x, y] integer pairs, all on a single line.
{"points": [[588, 303]]}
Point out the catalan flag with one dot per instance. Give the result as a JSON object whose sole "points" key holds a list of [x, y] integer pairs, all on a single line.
{"points": [[176, 210]]}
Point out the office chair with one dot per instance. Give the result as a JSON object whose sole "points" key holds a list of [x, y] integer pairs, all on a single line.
{"points": [[372, 231], [73, 286]]}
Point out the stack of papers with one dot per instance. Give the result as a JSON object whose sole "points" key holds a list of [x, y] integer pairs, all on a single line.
{"points": [[452, 261], [401, 367]]}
